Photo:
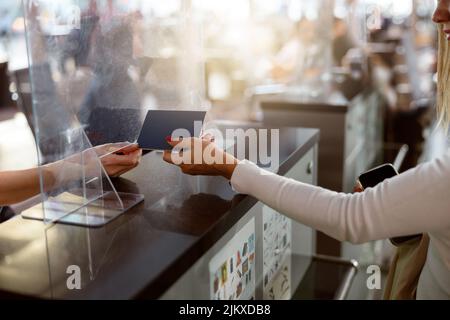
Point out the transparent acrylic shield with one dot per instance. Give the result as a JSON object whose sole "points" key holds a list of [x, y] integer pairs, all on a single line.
{"points": [[75, 187], [96, 68]]}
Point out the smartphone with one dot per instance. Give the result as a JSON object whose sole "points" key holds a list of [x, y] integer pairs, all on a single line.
{"points": [[375, 176]]}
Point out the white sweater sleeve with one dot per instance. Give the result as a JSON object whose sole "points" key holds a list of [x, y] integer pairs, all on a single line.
{"points": [[414, 202]]}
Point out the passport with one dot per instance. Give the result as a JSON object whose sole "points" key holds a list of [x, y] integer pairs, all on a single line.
{"points": [[160, 124]]}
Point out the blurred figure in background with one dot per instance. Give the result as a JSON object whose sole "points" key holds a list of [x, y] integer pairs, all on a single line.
{"points": [[349, 59], [110, 110], [297, 59], [342, 41]]}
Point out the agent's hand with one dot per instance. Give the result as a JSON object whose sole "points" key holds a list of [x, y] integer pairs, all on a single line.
{"points": [[200, 156], [116, 158], [121, 160]]}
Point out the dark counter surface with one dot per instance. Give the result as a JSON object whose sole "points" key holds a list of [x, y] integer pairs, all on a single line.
{"points": [[144, 251], [334, 102]]}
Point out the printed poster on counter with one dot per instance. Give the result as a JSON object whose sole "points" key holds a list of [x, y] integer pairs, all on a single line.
{"points": [[232, 269], [277, 239]]}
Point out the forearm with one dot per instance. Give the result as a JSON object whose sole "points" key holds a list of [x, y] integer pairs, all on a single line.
{"points": [[17, 186], [411, 203]]}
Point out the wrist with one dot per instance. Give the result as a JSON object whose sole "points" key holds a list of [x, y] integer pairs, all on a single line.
{"points": [[226, 170], [49, 175], [58, 174]]}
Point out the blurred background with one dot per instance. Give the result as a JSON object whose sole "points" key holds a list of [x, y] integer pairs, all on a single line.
{"points": [[244, 53], [363, 71]]}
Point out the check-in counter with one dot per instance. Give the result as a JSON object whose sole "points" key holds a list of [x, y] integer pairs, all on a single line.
{"points": [[351, 131], [191, 238]]}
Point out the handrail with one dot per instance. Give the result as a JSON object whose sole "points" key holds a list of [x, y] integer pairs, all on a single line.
{"points": [[345, 285]]}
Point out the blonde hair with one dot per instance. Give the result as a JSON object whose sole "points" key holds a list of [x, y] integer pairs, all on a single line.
{"points": [[443, 85]]}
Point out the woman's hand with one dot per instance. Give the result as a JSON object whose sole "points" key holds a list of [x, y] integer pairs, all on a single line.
{"points": [[116, 158], [358, 187], [17, 186], [200, 156]]}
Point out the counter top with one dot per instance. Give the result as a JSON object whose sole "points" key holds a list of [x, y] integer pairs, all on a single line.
{"points": [[144, 251], [335, 102]]}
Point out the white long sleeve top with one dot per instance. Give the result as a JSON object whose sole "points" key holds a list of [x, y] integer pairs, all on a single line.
{"points": [[417, 201]]}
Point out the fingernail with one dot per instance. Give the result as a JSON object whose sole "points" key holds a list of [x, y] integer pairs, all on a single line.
{"points": [[169, 138]]}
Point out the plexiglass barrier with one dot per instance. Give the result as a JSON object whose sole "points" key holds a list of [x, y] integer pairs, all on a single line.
{"points": [[96, 67]]}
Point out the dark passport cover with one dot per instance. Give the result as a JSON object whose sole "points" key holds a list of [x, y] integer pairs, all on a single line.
{"points": [[159, 124]]}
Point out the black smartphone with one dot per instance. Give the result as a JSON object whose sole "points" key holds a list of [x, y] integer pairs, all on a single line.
{"points": [[375, 176]]}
